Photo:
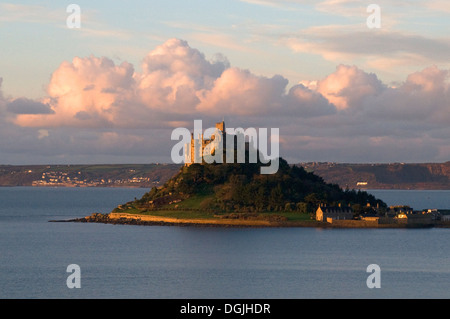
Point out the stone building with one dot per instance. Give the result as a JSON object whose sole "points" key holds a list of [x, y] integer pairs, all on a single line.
{"points": [[200, 147], [324, 213]]}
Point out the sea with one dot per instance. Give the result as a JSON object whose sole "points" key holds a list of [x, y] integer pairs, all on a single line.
{"points": [[37, 257]]}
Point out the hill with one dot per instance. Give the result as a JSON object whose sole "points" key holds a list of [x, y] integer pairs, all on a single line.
{"points": [[240, 191], [384, 176]]}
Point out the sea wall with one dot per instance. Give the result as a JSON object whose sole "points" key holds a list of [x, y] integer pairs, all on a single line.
{"points": [[198, 221], [137, 219], [383, 223], [354, 223]]}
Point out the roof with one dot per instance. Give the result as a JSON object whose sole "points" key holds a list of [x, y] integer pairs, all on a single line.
{"points": [[336, 209]]}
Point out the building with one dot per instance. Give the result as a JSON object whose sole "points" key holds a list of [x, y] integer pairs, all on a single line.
{"points": [[415, 219], [219, 143], [200, 147], [326, 213], [401, 210]]}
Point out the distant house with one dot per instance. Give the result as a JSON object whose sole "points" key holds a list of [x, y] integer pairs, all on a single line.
{"points": [[325, 213], [370, 217], [415, 219], [401, 211], [405, 214], [435, 213]]}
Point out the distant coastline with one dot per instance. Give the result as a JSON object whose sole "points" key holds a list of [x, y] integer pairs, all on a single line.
{"points": [[401, 176]]}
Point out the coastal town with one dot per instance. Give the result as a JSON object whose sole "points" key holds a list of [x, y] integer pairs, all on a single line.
{"points": [[64, 179], [113, 175]]}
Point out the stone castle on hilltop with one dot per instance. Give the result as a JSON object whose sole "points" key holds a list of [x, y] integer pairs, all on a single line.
{"points": [[231, 145], [200, 146]]}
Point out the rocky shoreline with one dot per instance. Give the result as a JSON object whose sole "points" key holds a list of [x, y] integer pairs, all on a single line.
{"points": [[161, 221], [105, 219]]}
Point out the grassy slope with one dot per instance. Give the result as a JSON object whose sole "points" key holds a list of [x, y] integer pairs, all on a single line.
{"points": [[189, 209], [239, 192]]}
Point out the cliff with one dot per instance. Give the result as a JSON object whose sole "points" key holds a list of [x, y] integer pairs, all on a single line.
{"points": [[384, 176]]}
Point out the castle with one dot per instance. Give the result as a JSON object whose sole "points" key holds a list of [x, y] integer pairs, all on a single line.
{"points": [[200, 147], [231, 145]]}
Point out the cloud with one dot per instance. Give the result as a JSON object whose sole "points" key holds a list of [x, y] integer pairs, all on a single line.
{"points": [[308, 102], [243, 93], [95, 106], [437, 6], [424, 98], [84, 93], [13, 12], [27, 106], [176, 81], [346, 43], [348, 86], [173, 74]]}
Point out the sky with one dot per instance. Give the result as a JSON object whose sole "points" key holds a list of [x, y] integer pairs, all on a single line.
{"points": [[113, 88]]}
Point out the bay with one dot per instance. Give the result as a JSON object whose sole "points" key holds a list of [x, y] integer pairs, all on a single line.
{"points": [[122, 261], [417, 199]]}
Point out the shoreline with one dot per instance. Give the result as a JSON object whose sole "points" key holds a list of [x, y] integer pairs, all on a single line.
{"points": [[147, 186], [69, 185], [150, 220]]}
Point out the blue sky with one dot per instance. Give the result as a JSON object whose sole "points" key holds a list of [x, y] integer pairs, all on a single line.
{"points": [[249, 33], [324, 45]]}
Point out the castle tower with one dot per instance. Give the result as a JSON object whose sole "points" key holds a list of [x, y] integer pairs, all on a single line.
{"points": [[197, 146], [221, 126]]}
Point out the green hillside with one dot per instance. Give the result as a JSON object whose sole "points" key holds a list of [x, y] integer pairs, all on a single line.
{"points": [[240, 191]]}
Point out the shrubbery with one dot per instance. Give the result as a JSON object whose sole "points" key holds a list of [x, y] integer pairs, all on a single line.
{"points": [[241, 188]]}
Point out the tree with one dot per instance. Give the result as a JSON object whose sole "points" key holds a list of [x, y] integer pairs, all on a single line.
{"points": [[276, 197], [303, 207]]}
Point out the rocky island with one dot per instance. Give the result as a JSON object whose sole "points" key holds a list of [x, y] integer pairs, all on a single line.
{"points": [[237, 194]]}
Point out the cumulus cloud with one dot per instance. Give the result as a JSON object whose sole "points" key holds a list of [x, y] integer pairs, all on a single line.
{"points": [[348, 86], [175, 80], [96, 105], [173, 74], [85, 92], [243, 93], [423, 99]]}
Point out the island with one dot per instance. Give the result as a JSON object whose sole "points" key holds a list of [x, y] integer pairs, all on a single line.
{"points": [[237, 194]]}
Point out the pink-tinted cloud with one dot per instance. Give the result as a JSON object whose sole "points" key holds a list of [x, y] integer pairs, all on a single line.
{"points": [[348, 115], [175, 80], [240, 92], [173, 74], [85, 93], [348, 86]]}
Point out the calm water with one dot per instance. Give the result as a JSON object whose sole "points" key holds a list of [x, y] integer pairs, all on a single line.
{"points": [[417, 199], [120, 261]]}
